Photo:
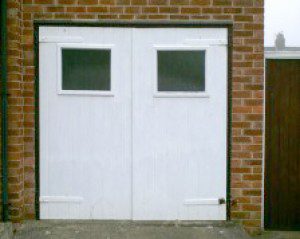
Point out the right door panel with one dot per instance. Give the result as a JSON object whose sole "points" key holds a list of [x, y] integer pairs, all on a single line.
{"points": [[179, 133]]}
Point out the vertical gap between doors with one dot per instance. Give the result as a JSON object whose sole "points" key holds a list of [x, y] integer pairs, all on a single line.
{"points": [[131, 114]]}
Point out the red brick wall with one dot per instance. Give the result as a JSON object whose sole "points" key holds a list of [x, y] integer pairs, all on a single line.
{"points": [[247, 86], [15, 111]]}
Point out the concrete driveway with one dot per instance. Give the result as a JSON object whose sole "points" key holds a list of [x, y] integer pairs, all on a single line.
{"points": [[279, 235], [129, 230]]}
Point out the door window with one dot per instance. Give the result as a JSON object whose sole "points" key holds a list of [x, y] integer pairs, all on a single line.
{"points": [[181, 70], [86, 69]]}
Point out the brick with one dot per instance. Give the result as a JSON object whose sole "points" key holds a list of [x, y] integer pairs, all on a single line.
{"points": [[55, 9], [252, 223], [141, 16], [126, 16], [252, 192], [252, 132], [240, 215], [33, 8], [200, 2], [76, 9], [242, 109], [132, 10], [138, 2], [241, 170], [239, 140], [253, 102], [158, 16], [179, 17], [253, 26], [158, 2], [256, 10], [243, 18], [243, 33], [222, 2], [252, 177], [168, 10], [87, 2], [67, 2], [222, 17], [116, 9], [44, 1], [190, 10], [254, 87], [107, 2], [86, 16], [243, 3], [211, 10], [179, 2], [241, 124], [97, 9], [150, 10], [231, 10], [243, 200]]}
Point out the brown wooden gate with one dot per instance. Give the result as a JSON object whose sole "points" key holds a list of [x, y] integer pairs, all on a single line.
{"points": [[282, 167]]}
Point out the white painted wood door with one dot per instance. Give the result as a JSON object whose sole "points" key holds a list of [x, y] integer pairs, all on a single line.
{"points": [[134, 152], [85, 136], [179, 138]]}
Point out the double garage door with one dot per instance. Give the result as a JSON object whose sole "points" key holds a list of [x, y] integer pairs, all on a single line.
{"points": [[133, 123]]}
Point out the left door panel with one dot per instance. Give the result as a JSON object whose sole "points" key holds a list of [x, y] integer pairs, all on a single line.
{"points": [[85, 123]]}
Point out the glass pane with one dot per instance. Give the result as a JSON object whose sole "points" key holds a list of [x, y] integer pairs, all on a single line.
{"points": [[85, 69], [181, 70]]}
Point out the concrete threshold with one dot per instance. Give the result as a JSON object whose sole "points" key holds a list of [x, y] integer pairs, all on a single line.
{"points": [[6, 231], [83, 229]]}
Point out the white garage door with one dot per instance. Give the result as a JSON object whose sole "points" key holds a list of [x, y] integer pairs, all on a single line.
{"points": [[133, 123]]}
